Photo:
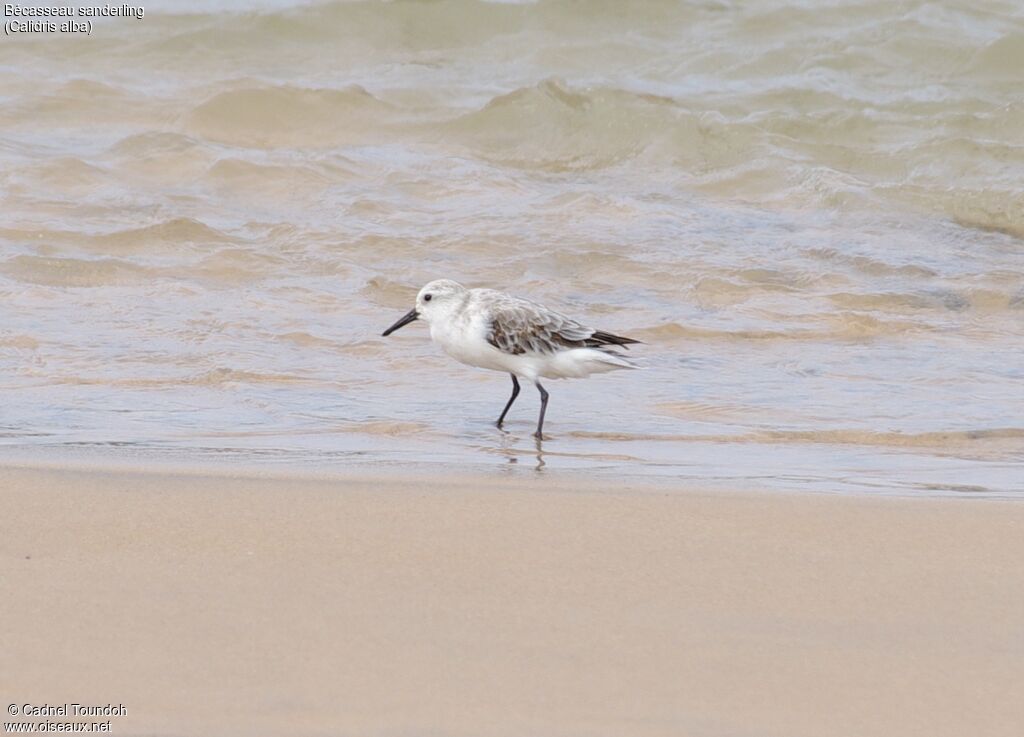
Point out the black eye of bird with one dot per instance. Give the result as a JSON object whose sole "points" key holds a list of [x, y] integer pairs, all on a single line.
{"points": [[427, 297]]}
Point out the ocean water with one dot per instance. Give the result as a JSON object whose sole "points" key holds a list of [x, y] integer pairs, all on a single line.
{"points": [[812, 213]]}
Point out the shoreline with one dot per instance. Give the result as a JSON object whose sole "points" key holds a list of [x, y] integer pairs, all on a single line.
{"points": [[374, 606], [286, 467]]}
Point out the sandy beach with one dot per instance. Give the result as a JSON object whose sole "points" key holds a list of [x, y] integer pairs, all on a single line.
{"points": [[222, 605]]}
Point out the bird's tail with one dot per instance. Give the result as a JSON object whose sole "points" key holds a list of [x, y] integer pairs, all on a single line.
{"points": [[614, 359], [580, 362]]}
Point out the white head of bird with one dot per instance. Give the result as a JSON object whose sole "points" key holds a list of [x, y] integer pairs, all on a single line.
{"points": [[437, 300]]}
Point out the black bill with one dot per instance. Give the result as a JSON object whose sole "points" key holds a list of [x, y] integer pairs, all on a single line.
{"points": [[408, 318]]}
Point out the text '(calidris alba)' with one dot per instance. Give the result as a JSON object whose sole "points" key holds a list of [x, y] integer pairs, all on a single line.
{"points": [[493, 330]]}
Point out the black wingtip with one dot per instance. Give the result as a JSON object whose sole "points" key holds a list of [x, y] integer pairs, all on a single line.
{"points": [[602, 338]]}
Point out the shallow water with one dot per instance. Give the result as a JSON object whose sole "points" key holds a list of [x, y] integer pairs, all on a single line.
{"points": [[812, 213]]}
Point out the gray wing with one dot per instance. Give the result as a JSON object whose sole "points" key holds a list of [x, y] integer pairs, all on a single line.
{"points": [[519, 326]]}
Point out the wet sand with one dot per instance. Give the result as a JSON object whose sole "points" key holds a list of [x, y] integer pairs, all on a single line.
{"points": [[459, 606]]}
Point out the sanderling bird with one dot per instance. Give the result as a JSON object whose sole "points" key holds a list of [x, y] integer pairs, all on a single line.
{"points": [[493, 330]]}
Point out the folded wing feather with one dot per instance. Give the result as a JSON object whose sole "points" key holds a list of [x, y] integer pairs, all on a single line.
{"points": [[519, 326]]}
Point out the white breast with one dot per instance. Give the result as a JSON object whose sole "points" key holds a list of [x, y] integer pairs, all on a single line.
{"points": [[464, 338]]}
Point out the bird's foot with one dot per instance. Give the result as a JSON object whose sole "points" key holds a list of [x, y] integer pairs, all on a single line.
{"points": [[538, 435]]}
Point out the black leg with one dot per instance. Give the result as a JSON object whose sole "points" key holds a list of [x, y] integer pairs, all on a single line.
{"points": [[543, 408], [515, 393]]}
